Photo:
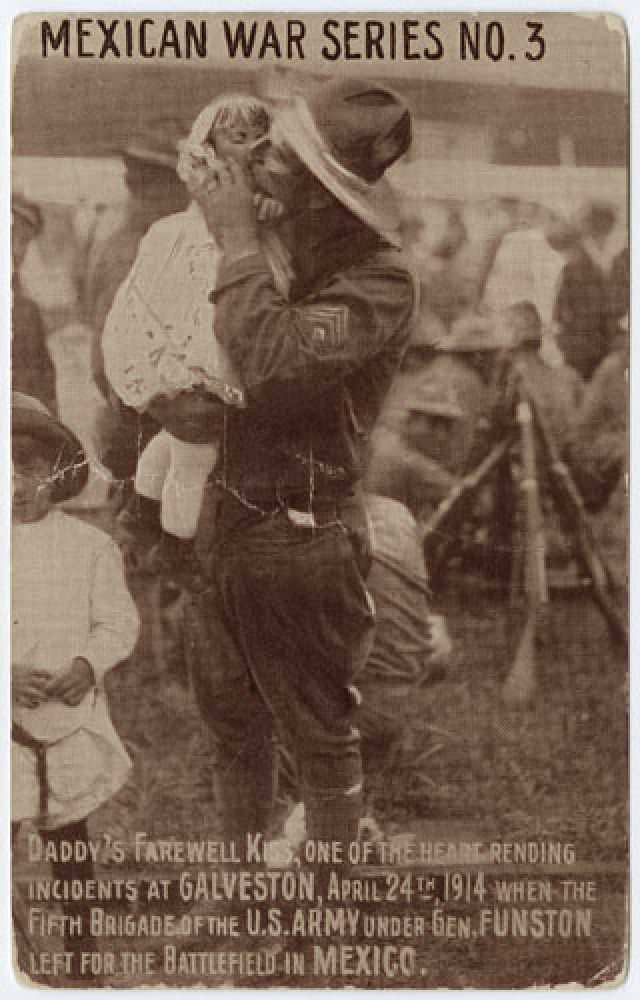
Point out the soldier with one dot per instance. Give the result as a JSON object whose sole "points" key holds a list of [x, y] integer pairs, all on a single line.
{"points": [[289, 614], [32, 370], [410, 650], [556, 388], [597, 449], [411, 463], [426, 332], [468, 365], [583, 310], [556, 391], [411, 644]]}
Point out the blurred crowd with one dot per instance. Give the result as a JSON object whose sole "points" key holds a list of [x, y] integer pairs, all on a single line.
{"points": [[507, 280], [498, 275]]}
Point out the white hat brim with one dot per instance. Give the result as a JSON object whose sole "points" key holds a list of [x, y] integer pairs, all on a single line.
{"points": [[374, 204]]}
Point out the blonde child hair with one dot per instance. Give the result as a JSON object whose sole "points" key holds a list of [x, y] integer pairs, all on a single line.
{"points": [[197, 151]]}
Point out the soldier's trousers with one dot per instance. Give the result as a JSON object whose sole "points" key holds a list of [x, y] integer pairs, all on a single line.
{"points": [[284, 627]]}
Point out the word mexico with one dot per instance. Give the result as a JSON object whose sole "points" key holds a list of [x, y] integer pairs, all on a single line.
{"points": [[349, 39]]}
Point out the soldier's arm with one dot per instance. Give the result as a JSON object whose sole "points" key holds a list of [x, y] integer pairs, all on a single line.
{"points": [[286, 352], [428, 481]]}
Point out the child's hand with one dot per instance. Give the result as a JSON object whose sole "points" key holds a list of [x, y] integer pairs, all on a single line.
{"points": [[29, 687], [71, 686]]}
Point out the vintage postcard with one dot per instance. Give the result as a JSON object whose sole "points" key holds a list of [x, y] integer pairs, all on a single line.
{"points": [[319, 422]]}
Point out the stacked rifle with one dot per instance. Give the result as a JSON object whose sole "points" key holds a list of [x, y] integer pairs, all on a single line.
{"points": [[527, 437]]}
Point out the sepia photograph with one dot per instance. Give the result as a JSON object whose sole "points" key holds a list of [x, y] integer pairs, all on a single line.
{"points": [[319, 397]]}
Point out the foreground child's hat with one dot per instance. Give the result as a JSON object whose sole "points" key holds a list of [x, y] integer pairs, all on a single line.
{"points": [[347, 133], [26, 210], [30, 416]]}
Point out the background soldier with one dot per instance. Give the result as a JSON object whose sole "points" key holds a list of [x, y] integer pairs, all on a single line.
{"points": [[32, 370], [413, 463]]}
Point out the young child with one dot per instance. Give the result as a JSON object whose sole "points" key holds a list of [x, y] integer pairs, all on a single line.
{"points": [[158, 341], [73, 619]]}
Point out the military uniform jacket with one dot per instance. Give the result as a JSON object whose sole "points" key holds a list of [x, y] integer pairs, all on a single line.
{"points": [[315, 368]]}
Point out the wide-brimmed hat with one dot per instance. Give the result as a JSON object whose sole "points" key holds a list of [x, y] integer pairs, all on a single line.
{"points": [[71, 470], [437, 399], [347, 133]]}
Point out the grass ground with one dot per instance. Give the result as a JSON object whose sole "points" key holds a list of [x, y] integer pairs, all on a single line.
{"points": [[554, 770]]}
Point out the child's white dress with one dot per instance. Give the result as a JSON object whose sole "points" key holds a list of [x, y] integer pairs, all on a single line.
{"points": [[69, 598], [159, 339]]}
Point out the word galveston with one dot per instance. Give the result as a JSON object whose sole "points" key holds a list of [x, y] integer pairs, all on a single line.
{"points": [[350, 39]]}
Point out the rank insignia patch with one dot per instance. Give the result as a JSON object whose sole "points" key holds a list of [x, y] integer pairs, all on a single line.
{"points": [[328, 326]]}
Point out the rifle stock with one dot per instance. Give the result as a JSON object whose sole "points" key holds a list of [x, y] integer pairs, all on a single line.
{"points": [[451, 509], [571, 507], [520, 684]]}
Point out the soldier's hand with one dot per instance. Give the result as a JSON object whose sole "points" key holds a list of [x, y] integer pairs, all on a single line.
{"points": [[227, 202]]}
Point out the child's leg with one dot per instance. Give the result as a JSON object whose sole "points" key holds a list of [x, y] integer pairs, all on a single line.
{"points": [[140, 518], [153, 466], [184, 485]]}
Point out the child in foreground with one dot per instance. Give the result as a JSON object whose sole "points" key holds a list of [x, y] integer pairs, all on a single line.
{"points": [[73, 620]]}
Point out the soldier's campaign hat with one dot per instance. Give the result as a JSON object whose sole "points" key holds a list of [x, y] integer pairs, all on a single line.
{"points": [[473, 333], [440, 400], [523, 323], [71, 470], [26, 210], [347, 133]]}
